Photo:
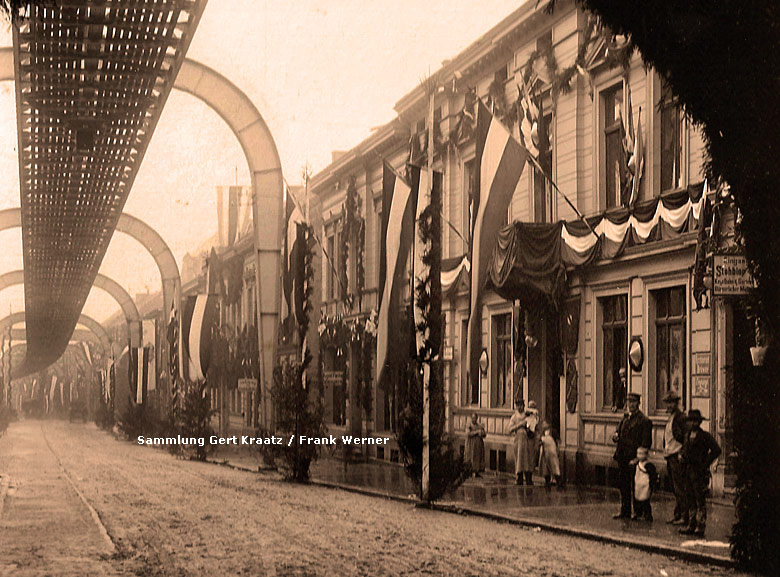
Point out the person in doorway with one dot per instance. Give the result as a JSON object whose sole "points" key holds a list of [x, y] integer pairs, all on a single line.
{"points": [[635, 430], [673, 439], [475, 446], [525, 442], [549, 463], [698, 453], [645, 481]]}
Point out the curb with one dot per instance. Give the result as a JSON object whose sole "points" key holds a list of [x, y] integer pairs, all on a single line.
{"points": [[668, 550]]}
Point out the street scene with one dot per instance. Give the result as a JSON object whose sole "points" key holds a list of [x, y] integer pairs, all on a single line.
{"points": [[348, 288]]}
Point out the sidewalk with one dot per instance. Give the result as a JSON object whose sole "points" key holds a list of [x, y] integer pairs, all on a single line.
{"points": [[580, 511]]}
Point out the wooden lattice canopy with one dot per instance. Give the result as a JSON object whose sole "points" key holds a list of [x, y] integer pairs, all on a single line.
{"points": [[91, 81]]}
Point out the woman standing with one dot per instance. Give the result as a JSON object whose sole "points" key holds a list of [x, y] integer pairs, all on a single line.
{"points": [[524, 426], [475, 445]]}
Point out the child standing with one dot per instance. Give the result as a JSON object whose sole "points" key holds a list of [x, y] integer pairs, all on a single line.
{"points": [[645, 479], [549, 465]]}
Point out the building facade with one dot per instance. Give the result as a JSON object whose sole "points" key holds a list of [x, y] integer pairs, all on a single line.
{"points": [[635, 295]]}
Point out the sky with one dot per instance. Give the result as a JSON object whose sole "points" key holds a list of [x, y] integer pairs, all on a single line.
{"points": [[321, 73]]}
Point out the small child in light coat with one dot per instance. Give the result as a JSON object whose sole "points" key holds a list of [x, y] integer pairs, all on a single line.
{"points": [[549, 464], [645, 480]]}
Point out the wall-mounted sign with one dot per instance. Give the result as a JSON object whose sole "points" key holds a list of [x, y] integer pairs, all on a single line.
{"points": [[247, 384], [701, 386], [701, 364], [730, 275]]}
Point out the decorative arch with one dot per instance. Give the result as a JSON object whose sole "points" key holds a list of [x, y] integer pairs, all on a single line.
{"points": [[110, 286], [265, 170], [95, 327]]}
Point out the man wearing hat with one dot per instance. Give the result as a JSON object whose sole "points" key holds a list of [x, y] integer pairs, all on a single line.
{"points": [[635, 430], [698, 453], [674, 435]]}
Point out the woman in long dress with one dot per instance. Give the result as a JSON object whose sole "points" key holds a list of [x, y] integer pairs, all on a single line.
{"points": [[475, 445], [524, 426]]}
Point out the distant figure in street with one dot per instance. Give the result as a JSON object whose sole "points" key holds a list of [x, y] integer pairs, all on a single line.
{"points": [[635, 430], [673, 439], [645, 481], [698, 453], [549, 463], [475, 446], [619, 392], [523, 425]]}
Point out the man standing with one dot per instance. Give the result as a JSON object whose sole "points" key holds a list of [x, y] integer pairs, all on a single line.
{"points": [[698, 453], [673, 440], [635, 430]]}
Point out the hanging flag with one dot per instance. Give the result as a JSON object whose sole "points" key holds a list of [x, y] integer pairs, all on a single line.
{"points": [[228, 199], [200, 317], [293, 265], [50, 398], [142, 355], [627, 140], [62, 393], [173, 345], [398, 210], [500, 160], [528, 113], [87, 352], [151, 367], [636, 164]]}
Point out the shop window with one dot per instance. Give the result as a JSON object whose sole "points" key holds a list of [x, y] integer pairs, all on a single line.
{"points": [[501, 361], [669, 324], [614, 343], [671, 141], [612, 145]]}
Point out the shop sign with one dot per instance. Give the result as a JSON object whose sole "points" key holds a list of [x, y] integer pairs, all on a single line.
{"points": [[247, 384], [701, 386], [730, 275], [701, 364]]}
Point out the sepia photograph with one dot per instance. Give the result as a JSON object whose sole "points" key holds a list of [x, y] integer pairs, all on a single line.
{"points": [[360, 288]]}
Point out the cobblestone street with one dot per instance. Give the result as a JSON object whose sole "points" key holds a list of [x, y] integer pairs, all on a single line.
{"points": [[167, 516]]}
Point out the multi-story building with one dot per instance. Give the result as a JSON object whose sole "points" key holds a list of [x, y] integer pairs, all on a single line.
{"points": [[563, 351]]}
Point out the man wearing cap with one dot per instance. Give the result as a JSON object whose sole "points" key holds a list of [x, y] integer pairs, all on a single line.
{"points": [[635, 430], [673, 440], [698, 453]]}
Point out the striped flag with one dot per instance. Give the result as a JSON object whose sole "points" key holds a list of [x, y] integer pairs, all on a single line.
{"points": [[142, 373], [500, 160], [293, 266], [200, 317], [227, 214], [173, 345], [398, 210]]}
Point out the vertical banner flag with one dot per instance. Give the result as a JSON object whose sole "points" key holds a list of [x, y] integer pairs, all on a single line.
{"points": [[228, 199], [173, 346], [499, 162], [398, 210], [200, 317], [150, 342], [293, 264]]}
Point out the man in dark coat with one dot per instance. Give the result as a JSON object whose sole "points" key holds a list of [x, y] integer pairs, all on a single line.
{"points": [[673, 439], [698, 453], [635, 430]]}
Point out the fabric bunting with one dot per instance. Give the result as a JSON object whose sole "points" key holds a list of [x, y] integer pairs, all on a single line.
{"points": [[536, 256], [397, 232]]}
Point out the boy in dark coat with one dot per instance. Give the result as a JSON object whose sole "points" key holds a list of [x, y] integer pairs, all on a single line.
{"points": [[699, 452]]}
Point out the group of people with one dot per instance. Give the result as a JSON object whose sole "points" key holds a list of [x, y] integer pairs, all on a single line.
{"points": [[534, 446], [689, 452]]}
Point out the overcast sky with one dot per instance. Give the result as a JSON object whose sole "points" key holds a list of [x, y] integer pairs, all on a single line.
{"points": [[321, 72]]}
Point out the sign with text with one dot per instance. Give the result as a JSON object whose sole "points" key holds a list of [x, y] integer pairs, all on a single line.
{"points": [[730, 275], [247, 384], [701, 386], [701, 364]]}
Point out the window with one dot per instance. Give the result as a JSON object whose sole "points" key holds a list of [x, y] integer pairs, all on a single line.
{"points": [[671, 141], [612, 105], [501, 361], [614, 332], [542, 188], [669, 342]]}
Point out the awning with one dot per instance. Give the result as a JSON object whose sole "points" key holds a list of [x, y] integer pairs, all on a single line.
{"points": [[531, 260]]}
